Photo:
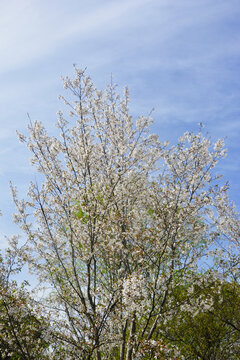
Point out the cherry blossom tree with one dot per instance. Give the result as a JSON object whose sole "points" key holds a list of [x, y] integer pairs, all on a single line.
{"points": [[119, 220]]}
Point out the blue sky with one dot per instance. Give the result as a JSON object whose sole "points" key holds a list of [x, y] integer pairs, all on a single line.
{"points": [[180, 57]]}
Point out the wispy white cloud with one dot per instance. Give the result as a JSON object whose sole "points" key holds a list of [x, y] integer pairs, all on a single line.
{"points": [[33, 29]]}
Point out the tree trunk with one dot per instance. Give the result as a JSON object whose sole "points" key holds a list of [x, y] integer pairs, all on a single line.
{"points": [[122, 350], [131, 338]]}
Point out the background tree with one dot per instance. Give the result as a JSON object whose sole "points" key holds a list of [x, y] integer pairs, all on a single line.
{"points": [[207, 318], [120, 220], [24, 332]]}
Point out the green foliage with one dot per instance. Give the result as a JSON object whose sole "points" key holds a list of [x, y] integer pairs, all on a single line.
{"points": [[81, 214], [23, 332], [206, 321]]}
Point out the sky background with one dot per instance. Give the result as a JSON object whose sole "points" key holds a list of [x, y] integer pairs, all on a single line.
{"points": [[180, 57]]}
